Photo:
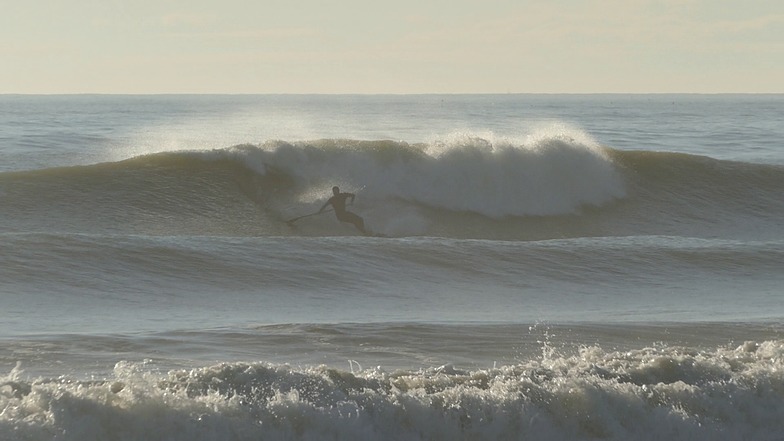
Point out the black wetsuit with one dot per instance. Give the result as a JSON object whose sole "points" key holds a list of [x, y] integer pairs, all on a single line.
{"points": [[338, 202]]}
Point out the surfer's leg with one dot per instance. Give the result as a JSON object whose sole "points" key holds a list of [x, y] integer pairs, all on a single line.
{"points": [[352, 218]]}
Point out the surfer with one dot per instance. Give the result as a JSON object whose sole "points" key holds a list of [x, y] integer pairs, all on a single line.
{"points": [[338, 202]]}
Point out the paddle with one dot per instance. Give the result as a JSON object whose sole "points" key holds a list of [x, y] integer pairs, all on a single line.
{"points": [[290, 222]]}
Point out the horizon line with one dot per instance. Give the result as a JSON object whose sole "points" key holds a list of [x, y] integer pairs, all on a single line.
{"points": [[366, 93]]}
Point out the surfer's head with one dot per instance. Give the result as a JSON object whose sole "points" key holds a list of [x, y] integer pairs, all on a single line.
{"points": [[335, 190]]}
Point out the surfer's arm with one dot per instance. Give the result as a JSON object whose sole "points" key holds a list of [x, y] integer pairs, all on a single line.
{"points": [[325, 205], [352, 196]]}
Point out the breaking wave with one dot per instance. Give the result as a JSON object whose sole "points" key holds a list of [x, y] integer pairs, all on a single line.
{"points": [[547, 185]]}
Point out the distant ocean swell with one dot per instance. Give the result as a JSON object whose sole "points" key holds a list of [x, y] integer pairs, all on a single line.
{"points": [[675, 393], [466, 187], [81, 264]]}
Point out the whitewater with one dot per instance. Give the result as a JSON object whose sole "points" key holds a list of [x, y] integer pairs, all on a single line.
{"points": [[548, 267]]}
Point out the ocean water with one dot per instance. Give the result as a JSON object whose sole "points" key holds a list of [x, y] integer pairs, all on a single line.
{"points": [[543, 267]]}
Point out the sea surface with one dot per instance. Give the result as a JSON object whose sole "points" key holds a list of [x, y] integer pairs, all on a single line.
{"points": [[541, 267]]}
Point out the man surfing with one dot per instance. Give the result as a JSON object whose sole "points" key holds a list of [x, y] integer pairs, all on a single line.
{"points": [[338, 202]]}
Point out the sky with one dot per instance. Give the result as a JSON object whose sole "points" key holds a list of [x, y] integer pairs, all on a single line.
{"points": [[397, 47]]}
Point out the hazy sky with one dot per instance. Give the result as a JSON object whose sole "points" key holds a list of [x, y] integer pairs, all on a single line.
{"points": [[399, 46]]}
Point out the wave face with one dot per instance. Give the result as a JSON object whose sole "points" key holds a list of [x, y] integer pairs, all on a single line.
{"points": [[551, 184], [677, 393]]}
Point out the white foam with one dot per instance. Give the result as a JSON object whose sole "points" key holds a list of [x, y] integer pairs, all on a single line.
{"points": [[646, 394]]}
